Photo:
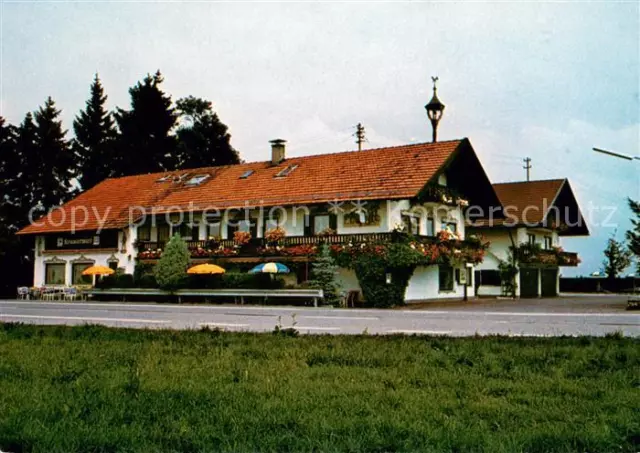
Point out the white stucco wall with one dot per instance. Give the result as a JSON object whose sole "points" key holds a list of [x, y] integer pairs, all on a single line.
{"points": [[424, 285], [124, 254]]}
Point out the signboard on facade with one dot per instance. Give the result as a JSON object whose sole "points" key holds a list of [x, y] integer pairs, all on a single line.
{"points": [[82, 240]]}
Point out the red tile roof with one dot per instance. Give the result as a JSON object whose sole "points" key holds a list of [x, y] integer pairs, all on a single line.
{"points": [[383, 173], [536, 196], [524, 202]]}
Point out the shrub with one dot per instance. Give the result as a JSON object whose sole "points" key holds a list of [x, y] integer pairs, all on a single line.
{"points": [[170, 272], [116, 281], [324, 274]]}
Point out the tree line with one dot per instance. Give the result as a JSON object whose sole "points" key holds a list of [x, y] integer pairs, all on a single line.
{"points": [[41, 166]]}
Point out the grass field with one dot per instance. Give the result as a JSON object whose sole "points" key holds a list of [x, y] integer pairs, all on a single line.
{"points": [[94, 389]]}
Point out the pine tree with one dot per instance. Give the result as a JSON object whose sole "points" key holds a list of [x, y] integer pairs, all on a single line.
{"points": [[16, 266], [55, 163], [24, 189], [633, 235], [95, 136], [146, 144], [203, 140], [617, 258], [324, 274], [171, 269]]}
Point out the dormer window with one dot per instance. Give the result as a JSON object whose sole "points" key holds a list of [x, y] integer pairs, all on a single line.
{"points": [[286, 171], [197, 179], [246, 174]]}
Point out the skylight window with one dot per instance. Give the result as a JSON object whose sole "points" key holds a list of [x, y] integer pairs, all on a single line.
{"points": [[197, 179], [246, 174], [164, 178], [286, 171]]}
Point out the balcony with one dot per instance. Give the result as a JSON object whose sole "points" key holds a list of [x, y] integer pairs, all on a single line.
{"points": [[533, 254], [289, 246]]}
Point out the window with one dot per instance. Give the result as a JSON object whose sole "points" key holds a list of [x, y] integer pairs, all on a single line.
{"points": [[488, 277], [197, 179], [321, 223], [450, 225], [188, 231], [214, 227], [144, 233], [445, 277], [246, 174], [412, 223], [240, 224], [286, 171], [164, 232], [164, 179], [270, 223], [54, 274], [76, 274], [431, 227], [548, 242], [531, 238]]}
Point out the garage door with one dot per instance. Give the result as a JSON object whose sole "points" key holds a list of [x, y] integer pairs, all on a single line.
{"points": [[549, 282], [528, 282]]}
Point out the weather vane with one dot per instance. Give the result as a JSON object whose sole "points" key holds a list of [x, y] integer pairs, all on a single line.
{"points": [[435, 80]]}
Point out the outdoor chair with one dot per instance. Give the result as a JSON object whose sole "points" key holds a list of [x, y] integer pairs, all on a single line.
{"points": [[70, 293], [23, 293]]}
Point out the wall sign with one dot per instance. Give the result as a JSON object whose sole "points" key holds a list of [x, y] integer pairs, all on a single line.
{"points": [[81, 240]]}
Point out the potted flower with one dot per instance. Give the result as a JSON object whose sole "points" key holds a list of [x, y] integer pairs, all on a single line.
{"points": [[274, 235], [241, 238]]}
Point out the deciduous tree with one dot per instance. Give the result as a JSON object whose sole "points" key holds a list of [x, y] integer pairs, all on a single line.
{"points": [[617, 258], [203, 140]]}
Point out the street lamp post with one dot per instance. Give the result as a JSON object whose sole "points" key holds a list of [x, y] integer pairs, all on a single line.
{"points": [[627, 157]]}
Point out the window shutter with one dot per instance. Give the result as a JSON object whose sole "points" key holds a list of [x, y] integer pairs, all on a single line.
{"points": [[307, 225], [333, 222]]}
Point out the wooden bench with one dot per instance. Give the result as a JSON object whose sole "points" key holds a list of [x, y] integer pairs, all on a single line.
{"points": [[237, 294]]}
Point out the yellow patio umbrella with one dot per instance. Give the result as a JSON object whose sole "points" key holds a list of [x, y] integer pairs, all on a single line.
{"points": [[98, 270], [206, 269]]}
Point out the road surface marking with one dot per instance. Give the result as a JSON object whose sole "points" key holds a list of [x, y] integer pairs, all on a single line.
{"points": [[222, 324], [314, 328], [421, 332], [349, 318], [88, 318]]}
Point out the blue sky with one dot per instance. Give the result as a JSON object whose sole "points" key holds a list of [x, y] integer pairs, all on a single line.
{"points": [[545, 80]]}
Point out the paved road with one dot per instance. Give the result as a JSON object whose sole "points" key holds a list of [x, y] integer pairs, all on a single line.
{"points": [[516, 318]]}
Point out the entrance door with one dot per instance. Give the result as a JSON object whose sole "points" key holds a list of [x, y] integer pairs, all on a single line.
{"points": [[528, 282], [549, 282]]}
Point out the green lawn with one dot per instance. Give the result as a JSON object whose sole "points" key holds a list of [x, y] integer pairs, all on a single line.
{"points": [[95, 389]]}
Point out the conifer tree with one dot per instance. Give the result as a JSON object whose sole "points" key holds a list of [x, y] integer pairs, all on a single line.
{"points": [[324, 274], [146, 144], [633, 235], [203, 140], [171, 269], [95, 136], [54, 163]]}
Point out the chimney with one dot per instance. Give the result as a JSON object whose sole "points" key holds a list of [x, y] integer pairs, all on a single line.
{"points": [[277, 151]]}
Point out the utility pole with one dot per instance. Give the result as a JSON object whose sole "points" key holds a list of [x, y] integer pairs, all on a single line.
{"points": [[527, 166], [360, 137]]}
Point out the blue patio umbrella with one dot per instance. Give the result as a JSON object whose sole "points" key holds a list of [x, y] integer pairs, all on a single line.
{"points": [[270, 268]]}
